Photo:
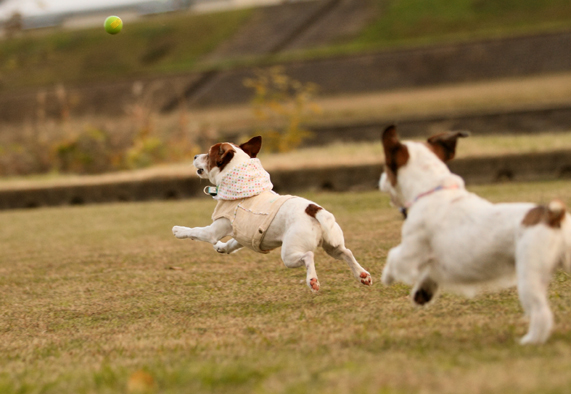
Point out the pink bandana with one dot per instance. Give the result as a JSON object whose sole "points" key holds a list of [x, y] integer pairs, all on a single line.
{"points": [[246, 180]]}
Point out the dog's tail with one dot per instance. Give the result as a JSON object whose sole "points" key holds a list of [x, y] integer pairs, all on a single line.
{"points": [[332, 233]]}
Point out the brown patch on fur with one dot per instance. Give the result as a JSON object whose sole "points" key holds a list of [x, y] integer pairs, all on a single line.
{"points": [[444, 144], [542, 214], [312, 210], [396, 153], [220, 155]]}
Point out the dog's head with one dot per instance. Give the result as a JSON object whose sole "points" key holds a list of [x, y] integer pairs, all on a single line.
{"points": [[414, 167], [223, 156]]}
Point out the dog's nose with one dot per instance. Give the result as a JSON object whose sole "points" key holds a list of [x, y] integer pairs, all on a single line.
{"points": [[195, 157]]}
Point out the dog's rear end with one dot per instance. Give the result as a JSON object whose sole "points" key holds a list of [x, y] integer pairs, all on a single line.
{"points": [[566, 230], [541, 246]]}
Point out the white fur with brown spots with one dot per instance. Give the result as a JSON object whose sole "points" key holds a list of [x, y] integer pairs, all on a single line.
{"points": [[453, 239], [299, 226]]}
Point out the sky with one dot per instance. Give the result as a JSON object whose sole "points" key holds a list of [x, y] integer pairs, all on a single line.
{"points": [[38, 7]]}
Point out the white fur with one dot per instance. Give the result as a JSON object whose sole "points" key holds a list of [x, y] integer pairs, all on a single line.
{"points": [[456, 240], [293, 229]]}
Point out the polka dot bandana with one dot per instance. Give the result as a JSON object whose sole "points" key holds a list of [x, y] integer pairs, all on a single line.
{"points": [[245, 180]]}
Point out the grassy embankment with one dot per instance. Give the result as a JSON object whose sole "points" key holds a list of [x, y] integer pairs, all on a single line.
{"points": [[88, 299], [175, 43], [163, 44], [416, 22]]}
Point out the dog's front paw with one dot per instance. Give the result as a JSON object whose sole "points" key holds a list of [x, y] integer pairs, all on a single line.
{"points": [[181, 232], [387, 278]]}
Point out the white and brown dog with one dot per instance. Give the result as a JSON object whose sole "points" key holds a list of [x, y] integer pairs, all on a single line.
{"points": [[454, 239], [258, 218]]}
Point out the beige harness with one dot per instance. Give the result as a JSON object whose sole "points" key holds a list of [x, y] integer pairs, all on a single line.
{"points": [[251, 217]]}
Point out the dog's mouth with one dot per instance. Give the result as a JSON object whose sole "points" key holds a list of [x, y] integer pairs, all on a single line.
{"points": [[200, 171]]}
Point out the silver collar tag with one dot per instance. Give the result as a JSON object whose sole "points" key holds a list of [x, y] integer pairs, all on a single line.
{"points": [[211, 191]]}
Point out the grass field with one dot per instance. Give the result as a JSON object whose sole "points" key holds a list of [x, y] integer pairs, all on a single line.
{"points": [[89, 297]]}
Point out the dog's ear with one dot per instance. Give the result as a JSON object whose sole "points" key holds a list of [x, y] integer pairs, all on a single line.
{"points": [[253, 146], [220, 155], [444, 144], [396, 153]]}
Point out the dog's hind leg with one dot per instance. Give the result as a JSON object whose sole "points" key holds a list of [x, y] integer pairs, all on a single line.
{"points": [[228, 247], [566, 231], [342, 253], [298, 244], [298, 259], [538, 251]]}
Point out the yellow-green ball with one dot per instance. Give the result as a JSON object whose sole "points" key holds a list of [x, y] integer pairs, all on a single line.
{"points": [[113, 24]]}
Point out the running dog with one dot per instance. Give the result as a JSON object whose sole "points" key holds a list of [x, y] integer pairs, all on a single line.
{"points": [[454, 239], [262, 220]]}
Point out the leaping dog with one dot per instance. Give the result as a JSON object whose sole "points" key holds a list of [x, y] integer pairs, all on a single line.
{"points": [[262, 220]]}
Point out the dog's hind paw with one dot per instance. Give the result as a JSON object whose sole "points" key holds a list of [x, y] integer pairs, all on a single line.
{"points": [[530, 339], [313, 284], [220, 247], [365, 278]]}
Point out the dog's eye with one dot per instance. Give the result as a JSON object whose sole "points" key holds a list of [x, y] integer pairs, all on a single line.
{"points": [[200, 171]]}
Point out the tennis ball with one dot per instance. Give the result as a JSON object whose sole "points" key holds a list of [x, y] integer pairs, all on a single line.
{"points": [[113, 24]]}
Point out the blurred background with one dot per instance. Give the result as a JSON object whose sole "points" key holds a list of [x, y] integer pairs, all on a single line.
{"points": [[318, 77]]}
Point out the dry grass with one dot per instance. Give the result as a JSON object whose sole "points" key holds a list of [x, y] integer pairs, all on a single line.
{"points": [[502, 94], [332, 155], [207, 126], [372, 152], [88, 299]]}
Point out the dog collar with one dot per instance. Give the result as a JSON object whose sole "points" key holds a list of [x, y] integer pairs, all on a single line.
{"points": [[211, 190], [436, 189]]}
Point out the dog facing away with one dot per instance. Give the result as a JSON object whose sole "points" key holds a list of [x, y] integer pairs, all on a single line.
{"points": [[262, 220], [454, 239]]}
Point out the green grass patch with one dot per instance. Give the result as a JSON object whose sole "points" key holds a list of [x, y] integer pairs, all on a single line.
{"points": [[162, 44], [411, 23], [88, 300], [417, 22], [178, 43]]}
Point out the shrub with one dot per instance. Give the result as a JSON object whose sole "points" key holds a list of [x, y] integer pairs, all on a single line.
{"points": [[281, 105]]}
